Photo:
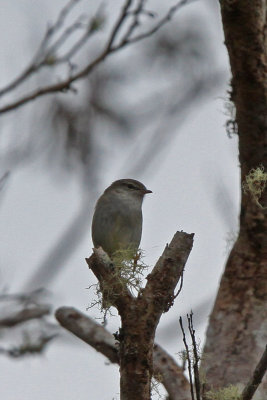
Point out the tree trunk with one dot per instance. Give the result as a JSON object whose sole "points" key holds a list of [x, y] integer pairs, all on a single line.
{"points": [[136, 358], [237, 330], [140, 315]]}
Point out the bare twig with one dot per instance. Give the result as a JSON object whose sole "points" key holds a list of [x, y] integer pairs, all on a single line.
{"points": [[169, 268], [30, 297], [108, 49], [58, 87], [181, 285], [172, 375], [41, 57], [195, 353], [77, 46], [55, 28], [118, 25], [188, 359], [135, 22], [23, 324], [19, 308], [89, 331], [90, 27], [3, 179], [29, 348], [51, 52], [27, 313], [159, 24], [256, 378]]}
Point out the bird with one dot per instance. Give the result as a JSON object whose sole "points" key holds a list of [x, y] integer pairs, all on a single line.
{"points": [[117, 220]]}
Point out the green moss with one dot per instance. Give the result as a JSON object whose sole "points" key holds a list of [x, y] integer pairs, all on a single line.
{"points": [[228, 393], [130, 268], [129, 271], [184, 356], [255, 184]]}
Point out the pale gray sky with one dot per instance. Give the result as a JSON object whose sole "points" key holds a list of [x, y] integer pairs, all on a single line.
{"points": [[195, 188]]}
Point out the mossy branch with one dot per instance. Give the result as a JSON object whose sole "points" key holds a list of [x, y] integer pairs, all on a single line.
{"points": [[94, 334], [140, 315]]}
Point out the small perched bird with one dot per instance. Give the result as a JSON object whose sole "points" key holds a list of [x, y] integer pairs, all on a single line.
{"points": [[117, 220]]}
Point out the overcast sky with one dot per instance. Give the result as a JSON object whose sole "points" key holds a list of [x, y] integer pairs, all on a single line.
{"points": [[195, 189]]}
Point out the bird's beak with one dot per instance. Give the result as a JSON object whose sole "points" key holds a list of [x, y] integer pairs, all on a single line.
{"points": [[147, 191]]}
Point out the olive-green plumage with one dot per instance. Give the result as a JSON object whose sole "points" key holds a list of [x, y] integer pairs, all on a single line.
{"points": [[117, 220]]}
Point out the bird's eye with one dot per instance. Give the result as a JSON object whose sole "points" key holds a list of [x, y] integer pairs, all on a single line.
{"points": [[130, 186]]}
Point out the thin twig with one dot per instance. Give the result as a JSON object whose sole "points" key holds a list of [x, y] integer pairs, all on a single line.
{"points": [[3, 179], [188, 360], [136, 13], [181, 285], [64, 36], [29, 348], [25, 314], [58, 87], [109, 49], [94, 334], [30, 297], [256, 378], [196, 355], [159, 24], [76, 47], [118, 24], [39, 60], [56, 27]]}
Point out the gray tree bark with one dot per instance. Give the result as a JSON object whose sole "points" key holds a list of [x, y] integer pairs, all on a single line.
{"points": [[237, 330]]}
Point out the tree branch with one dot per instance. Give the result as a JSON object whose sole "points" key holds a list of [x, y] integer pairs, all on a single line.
{"points": [[118, 24], [166, 274], [164, 367], [188, 357], [27, 313], [114, 289], [19, 308], [236, 321], [256, 379], [164, 20], [41, 57], [140, 315], [4, 179], [89, 331], [45, 56]]}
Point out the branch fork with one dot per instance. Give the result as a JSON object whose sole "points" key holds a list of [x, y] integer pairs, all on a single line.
{"points": [[140, 315]]}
